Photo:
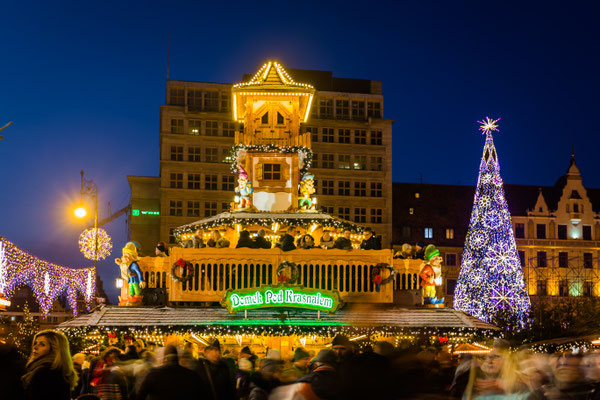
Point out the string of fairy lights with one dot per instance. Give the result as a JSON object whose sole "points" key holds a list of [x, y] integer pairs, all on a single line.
{"points": [[491, 282], [305, 154], [48, 281]]}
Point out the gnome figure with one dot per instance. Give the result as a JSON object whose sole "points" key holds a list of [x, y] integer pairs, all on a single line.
{"points": [[244, 190], [131, 272], [431, 275], [307, 189]]}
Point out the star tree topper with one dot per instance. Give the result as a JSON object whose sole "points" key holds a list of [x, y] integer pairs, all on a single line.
{"points": [[488, 126]]}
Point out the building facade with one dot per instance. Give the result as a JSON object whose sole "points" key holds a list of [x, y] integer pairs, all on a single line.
{"points": [[557, 230], [350, 139]]}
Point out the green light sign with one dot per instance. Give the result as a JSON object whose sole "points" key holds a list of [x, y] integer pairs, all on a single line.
{"points": [[137, 213], [281, 296]]}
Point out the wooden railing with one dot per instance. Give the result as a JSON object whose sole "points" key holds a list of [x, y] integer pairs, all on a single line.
{"points": [[218, 270]]}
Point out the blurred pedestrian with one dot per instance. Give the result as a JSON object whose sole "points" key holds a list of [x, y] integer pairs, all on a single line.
{"points": [[215, 373], [298, 368], [12, 367], [265, 379], [260, 241]]}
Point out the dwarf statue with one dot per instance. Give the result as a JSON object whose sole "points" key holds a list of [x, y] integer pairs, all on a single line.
{"points": [[244, 190], [307, 189], [431, 275], [131, 272]]}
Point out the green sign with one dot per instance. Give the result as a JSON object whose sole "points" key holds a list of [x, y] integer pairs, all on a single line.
{"points": [[281, 296], [137, 213]]}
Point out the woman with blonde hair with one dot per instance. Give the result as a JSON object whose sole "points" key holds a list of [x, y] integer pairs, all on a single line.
{"points": [[50, 374]]}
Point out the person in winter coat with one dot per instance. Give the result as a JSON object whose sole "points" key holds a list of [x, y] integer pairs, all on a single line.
{"points": [[266, 379], [50, 374], [171, 381], [12, 367], [322, 383], [299, 367], [244, 240], [217, 240], [260, 241], [370, 242], [306, 242], [344, 242], [326, 241], [286, 243], [215, 374]]}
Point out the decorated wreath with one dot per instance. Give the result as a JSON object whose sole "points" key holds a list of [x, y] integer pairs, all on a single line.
{"points": [[376, 277], [294, 272], [185, 266]]}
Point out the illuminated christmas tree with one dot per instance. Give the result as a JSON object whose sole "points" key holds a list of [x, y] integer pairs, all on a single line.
{"points": [[491, 284], [26, 330]]}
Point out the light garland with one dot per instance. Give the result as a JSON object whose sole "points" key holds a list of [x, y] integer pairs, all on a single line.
{"points": [[490, 284], [20, 268], [87, 243], [305, 154]]}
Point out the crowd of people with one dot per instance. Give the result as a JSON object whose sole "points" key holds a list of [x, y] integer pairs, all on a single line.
{"points": [[341, 371], [290, 240]]}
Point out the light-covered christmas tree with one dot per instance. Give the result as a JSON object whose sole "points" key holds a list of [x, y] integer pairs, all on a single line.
{"points": [[26, 330], [491, 284]]}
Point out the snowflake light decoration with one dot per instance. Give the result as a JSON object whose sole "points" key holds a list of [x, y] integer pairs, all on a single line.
{"points": [[87, 244]]}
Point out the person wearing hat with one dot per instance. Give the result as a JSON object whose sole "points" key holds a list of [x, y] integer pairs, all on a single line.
{"points": [[431, 275], [341, 347], [323, 381], [244, 190], [267, 378], [260, 241], [299, 366], [131, 271], [161, 250], [215, 373]]}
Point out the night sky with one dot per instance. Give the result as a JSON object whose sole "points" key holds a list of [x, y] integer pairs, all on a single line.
{"points": [[83, 83]]}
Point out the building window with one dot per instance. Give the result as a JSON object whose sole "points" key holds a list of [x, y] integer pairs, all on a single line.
{"points": [[344, 212], [377, 138], [376, 215], [210, 182], [343, 188], [193, 208], [280, 119], [327, 187], [327, 161], [226, 156], [224, 207], [193, 181], [358, 110], [522, 257], [376, 189], [175, 208], [449, 233], [176, 181], [177, 96], [228, 129], [326, 108], [563, 288], [212, 128], [428, 233], [519, 231], [194, 154], [450, 286], [194, 127], [328, 210], [264, 120], [328, 135], [343, 135], [417, 195], [588, 288], [542, 260], [227, 182], [210, 208], [172, 235], [541, 231], [451, 260], [542, 287], [406, 231], [562, 232], [315, 161], [376, 163], [587, 232], [360, 162], [588, 261], [176, 153], [563, 259], [272, 172], [575, 208], [360, 189], [211, 101], [411, 211], [177, 126], [360, 137], [344, 161], [225, 101], [374, 109], [313, 132], [342, 109], [360, 215], [211, 155], [194, 100]]}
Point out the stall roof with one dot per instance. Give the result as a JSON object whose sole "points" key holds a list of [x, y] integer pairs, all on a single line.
{"points": [[359, 316]]}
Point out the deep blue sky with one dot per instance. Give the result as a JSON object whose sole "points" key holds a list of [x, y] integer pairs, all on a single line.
{"points": [[83, 82]]}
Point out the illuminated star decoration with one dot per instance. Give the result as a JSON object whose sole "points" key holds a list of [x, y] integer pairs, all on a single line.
{"points": [[47, 281], [488, 126]]}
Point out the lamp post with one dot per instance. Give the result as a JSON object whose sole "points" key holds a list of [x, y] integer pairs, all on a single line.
{"points": [[89, 188]]}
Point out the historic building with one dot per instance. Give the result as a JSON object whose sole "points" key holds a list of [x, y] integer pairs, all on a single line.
{"points": [[557, 230], [350, 139]]}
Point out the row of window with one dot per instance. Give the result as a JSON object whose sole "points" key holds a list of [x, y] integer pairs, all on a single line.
{"points": [[566, 288], [341, 108], [345, 136], [200, 99], [563, 260], [561, 231], [359, 214], [347, 161], [428, 232], [192, 209], [202, 127], [195, 154], [346, 188], [194, 181]]}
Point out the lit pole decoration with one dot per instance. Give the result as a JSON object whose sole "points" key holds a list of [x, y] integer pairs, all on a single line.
{"points": [[89, 188], [47, 281], [491, 284], [95, 244]]}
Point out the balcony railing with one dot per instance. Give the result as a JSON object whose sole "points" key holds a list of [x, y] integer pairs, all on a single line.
{"points": [[217, 270]]}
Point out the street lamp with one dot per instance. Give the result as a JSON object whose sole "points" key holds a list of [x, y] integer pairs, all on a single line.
{"points": [[89, 188]]}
